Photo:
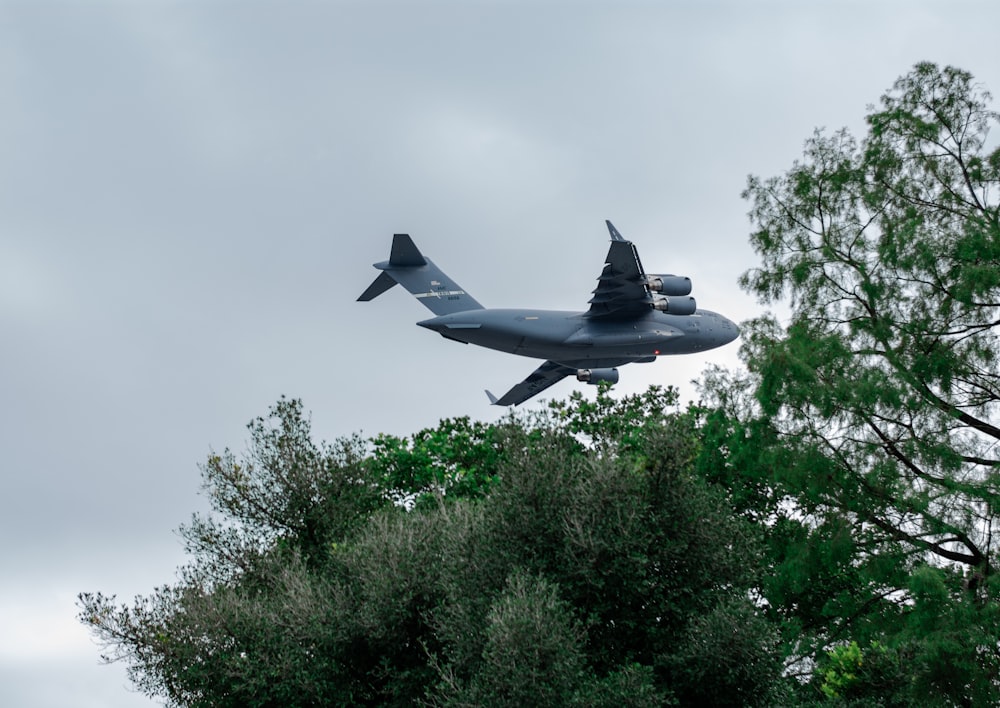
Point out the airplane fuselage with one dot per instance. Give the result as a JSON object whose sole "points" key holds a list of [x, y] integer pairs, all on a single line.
{"points": [[634, 317], [573, 337]]}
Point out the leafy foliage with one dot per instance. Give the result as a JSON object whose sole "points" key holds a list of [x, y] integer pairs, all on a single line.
{"points": [[863, 436], [458, 456], [569, 559]]}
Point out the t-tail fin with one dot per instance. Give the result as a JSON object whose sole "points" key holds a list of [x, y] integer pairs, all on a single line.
{"points": [[418, 274]]}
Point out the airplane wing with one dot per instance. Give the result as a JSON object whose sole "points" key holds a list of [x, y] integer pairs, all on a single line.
{"points": [[621, 288], [540, 379]]}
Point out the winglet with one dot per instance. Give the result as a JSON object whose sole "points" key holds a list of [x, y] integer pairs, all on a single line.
{"points": [[493, 399], [615, 236]]}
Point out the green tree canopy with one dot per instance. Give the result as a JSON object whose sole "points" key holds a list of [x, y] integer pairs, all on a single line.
{"points": [[569, 558], [865, 434]]}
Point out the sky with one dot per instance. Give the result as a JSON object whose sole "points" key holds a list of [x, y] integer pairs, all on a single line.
{"points": [[192, 195]]}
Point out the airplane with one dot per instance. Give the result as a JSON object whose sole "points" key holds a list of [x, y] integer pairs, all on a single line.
{"points": [[634, 317]]}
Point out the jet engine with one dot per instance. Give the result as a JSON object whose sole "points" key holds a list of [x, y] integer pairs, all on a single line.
{"points": [[675, 305], [596, 376], [669, 284]]}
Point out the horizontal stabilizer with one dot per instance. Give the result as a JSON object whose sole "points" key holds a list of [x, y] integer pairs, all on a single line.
{"points": [[383, 282]]}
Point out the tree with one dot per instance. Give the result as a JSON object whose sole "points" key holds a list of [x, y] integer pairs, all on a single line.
{"points": [[865, 434], [569, 558], [458, 458]]}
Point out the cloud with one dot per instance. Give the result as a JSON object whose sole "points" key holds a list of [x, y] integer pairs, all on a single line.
{"points": [[191, 195]]}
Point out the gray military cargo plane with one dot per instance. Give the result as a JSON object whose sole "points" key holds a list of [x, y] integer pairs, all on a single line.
{"points": [[634, 317]]}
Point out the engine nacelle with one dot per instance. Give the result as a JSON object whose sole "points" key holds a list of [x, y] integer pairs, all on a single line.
{"points": [[596, 376], [669, 284], [675, 305]]}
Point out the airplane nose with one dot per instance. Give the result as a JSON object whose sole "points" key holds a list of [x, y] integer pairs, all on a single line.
{"points": [[730, 330]]}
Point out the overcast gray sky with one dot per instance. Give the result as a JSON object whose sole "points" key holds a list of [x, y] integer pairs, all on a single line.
{"points": [[192, 194]]}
